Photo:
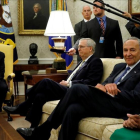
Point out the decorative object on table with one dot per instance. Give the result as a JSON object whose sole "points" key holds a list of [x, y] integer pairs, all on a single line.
{"points": [[51, 70], [59, 26], [33, 50]]}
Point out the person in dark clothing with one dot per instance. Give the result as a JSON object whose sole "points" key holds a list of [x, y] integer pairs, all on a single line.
{"points": [[105, 32], [89, 71], [37, 20], [118, 95], [130, 26], [3, 85]]}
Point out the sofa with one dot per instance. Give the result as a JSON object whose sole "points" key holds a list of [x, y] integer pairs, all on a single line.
{"points": [[91, 128]]}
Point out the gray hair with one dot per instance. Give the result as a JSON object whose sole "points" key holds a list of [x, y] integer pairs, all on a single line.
{"points": [[85, 6], [38, 5], [133, 38], [90, 43]]}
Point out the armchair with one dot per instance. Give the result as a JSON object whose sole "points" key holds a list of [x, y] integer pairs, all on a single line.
{"points": [[9, 75]]}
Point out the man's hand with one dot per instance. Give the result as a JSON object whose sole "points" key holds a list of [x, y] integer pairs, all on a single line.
{"points": [[63, 83], [133, 121], [112, 88], [71, 51], [101, 87], [109, 88], [127, 15], [118, 57]]}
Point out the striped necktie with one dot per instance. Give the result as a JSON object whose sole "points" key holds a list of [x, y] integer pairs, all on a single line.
{"points": [[120, 77], [102, 25], [74, 72]]}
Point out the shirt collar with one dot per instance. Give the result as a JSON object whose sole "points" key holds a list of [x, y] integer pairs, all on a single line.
{"points": [[131, 67], [88, 58], [86, 20], [104, 18]]}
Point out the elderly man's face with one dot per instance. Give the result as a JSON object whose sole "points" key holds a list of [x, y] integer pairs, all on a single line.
{"points": [[84, 51], [86, 12], [131, 52], [36, 8]]}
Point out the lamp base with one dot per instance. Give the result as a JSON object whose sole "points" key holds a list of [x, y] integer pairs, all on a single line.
{"points": [[59, 64]]}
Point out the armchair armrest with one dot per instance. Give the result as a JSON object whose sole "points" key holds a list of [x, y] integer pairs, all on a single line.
{"points": [[9, 78]]}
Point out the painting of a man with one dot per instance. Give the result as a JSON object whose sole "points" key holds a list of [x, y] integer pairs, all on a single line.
{"points": [[37, 18]]}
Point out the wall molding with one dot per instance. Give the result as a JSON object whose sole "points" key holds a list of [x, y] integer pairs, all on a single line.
{"points": [[42, 60]]}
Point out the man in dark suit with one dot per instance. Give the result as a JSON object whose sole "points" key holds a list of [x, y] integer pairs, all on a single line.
{"points": [[105, 32], [3, 85], [130, 26], [89, 71], [86, 12], [37, 20], [82, 101]]}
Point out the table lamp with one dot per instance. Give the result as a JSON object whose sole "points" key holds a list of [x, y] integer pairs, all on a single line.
{"points": [[59, 26]]}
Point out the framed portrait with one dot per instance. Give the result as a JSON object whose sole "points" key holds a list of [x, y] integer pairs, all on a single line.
{"points": [[33, 16]]}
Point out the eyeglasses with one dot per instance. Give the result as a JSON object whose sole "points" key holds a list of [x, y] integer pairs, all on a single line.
{"points": [[81, 47]]}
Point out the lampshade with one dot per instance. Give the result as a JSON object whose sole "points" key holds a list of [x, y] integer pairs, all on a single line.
{"points": [[59, 24]]}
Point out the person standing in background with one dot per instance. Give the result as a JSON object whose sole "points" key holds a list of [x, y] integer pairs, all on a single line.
{"points": [[130, 26], [86, 12], [105, 32]]}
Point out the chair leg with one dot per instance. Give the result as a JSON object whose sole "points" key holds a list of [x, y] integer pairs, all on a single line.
{"points": [[9, 118], [10, 103], [12, 100]]}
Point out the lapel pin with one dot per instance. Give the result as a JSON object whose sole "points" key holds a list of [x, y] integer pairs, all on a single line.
{"points": [[135, 72]]}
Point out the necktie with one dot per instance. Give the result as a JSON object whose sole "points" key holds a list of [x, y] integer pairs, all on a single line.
{"points": [[102, 26], [74, 72], [120, 77]]}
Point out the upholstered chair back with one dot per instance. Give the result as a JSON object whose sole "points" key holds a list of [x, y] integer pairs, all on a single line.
{"points": [[108, 65]]}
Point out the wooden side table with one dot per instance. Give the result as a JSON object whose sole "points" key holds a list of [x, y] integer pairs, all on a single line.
{"points": [[32, 77], [7, 132], [19, 68]]}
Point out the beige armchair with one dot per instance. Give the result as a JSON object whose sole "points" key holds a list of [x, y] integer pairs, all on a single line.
{"points": [[9, 75]]}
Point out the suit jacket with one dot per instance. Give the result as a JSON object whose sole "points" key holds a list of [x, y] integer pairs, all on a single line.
{"points": [[132, 29], [39, 22], [90, 73], [112, 35], [78, 31], [129, 86], [2, 66]]}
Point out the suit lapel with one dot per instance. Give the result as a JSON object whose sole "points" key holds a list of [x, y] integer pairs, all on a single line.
{"points": [[133, 72], [118, 72], [84, 65], [107, 25], [97, 25]]}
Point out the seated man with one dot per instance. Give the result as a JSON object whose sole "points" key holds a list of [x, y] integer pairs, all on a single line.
{"points": [[131, 130], [3, 85], [88, 71], [118, 95]]}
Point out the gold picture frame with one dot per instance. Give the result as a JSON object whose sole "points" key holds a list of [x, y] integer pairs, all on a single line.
{"points": [[23, 7], [134, 7]]}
